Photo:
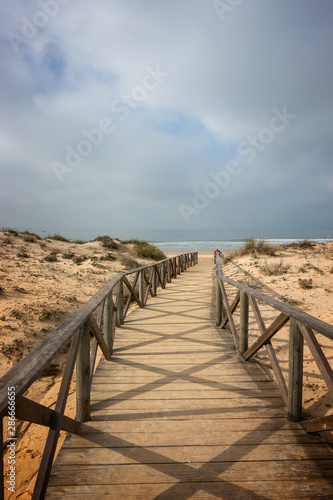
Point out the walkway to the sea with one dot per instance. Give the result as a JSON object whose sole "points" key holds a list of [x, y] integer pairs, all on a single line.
{"points": [[177, 414]]}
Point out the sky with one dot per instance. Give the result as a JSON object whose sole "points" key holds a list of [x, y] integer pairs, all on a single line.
{"points": [[176, 115]]}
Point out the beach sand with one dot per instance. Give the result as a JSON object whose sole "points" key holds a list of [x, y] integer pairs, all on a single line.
{"points": [[36, 296]]}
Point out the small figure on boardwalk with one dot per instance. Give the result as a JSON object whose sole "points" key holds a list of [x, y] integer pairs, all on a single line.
{"points": [[215, 253]]}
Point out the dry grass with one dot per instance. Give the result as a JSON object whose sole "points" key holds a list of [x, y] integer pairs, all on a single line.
{"points": [[275, 268], [252, 247], [301, 245], [108, 242], [148, 251], [306, 284], [51, 257]]}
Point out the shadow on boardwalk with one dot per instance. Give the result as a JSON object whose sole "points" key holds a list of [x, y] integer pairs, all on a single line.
{"points": [[176, 414]]}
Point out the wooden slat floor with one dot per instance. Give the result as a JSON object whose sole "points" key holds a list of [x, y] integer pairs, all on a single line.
{"points": [[177, 415]]}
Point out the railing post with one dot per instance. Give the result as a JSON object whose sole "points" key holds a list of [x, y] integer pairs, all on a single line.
{"points": [[142, 286], [218, 303], [153, 282], [295, 382], [244, 323], [163, 274], [120, 305], [108, 322], [174, 267], [83, 375]]}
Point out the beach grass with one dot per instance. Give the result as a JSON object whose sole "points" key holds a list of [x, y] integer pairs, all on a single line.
{"points": [[147, 251]]}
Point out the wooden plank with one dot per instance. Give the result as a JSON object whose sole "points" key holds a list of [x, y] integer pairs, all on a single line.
{"points": [[318, 355], [120, 301], [277, 324], [142, 287], [218, 303], [271, 353], [240, 380], [243, 323], [109, 323], [233, 307], [312, 322], [100, 427], [149, 283], [217, 413], [149, 393], [207, 490], [93, 354], [159, 276], [176, 438], [36, 413], [83, 376], [130, 297], [229, 314], [237, 403], [99, 337], [103, 384], [53, 434], [133, 292], [295, 380], [205, 454], [280, 380], [94, 348], [318, 424], [194, 472]]}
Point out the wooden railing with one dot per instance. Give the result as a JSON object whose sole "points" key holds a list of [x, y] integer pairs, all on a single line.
{"points": [[99, 316], [301, 326]]}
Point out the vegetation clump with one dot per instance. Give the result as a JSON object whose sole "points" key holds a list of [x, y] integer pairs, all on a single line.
{"points": [[303, 245], [108, 242], [148, 251], [129, 263], [108, 256], [23, 255], [133, 241], [78, 259], [306, 284], [58, 237], [29, 237], [275, 268], [51, 257], [252, 247], [68, 255], [10, 231]]}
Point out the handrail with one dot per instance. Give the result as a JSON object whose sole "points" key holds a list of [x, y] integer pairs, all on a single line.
{"points": [[302, 326], [108, 302]]}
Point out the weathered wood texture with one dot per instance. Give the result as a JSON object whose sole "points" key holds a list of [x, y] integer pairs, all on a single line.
{"points": [[177, 414], [301, 327]]}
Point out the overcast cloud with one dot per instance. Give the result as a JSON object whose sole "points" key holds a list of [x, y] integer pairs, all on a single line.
{"points": [[180, 91]]}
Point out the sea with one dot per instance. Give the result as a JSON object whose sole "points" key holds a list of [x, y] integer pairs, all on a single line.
{"points": [[200, 240]]}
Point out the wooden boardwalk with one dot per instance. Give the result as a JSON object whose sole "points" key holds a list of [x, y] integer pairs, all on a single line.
{"points": [[177, 414]]}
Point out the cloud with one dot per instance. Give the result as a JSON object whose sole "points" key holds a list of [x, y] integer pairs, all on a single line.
{"points": [[224, 80]]}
